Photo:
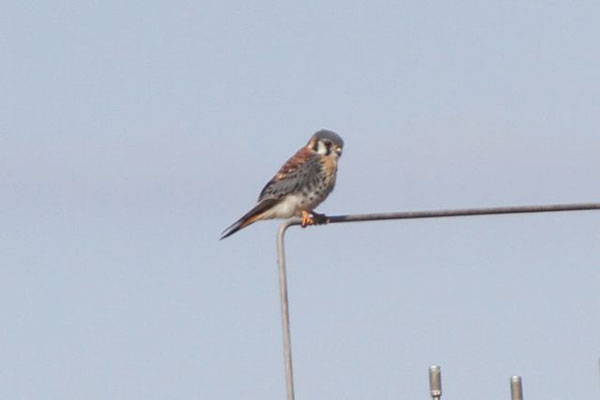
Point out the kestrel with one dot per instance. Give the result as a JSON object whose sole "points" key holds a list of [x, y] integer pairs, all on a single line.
{"points": [[303, 182]]}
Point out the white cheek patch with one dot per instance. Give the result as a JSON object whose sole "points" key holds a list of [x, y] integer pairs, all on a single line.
{"points": [[321, 148]]}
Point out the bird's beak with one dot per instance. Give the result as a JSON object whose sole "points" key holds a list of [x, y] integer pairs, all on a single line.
{"points": [[338, 151]]}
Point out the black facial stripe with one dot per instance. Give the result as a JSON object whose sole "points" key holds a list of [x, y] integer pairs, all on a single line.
{"points": [[328, 147]]}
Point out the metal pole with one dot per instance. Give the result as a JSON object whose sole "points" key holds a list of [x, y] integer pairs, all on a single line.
{"points": [[516, 388], [285, 315], [435, 382]]}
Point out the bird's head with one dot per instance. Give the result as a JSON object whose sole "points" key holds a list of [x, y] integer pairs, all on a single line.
{"points": [[326, 143]]}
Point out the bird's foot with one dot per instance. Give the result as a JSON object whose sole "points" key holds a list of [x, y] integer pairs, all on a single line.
{"points": [[306, 219], [313, 218]]}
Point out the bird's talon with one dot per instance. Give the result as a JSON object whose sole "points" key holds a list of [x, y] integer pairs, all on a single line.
{"points": [[307, 219], [313, 218]]}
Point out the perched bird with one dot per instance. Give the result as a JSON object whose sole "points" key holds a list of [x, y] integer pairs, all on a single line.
{"points": [[301, 184]]}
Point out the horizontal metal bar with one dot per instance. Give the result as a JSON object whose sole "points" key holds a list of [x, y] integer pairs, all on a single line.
{"points": [[334, 219]]}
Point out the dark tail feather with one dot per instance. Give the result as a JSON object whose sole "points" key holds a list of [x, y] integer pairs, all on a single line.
{"points": [[250, 217], [232, 229]]}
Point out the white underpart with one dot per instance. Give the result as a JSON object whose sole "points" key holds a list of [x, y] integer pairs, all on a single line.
{"points": [[286, 208]]}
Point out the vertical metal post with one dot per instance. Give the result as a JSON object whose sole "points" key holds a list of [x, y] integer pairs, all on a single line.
{"points": [[516, 388], [285, 315], [435, 382]]}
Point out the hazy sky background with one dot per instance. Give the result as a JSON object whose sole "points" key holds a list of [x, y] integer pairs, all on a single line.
{"points": [[132, 133]]}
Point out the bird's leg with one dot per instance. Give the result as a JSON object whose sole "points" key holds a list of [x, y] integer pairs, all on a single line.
{"points": [[313, 218], [306, 219]]}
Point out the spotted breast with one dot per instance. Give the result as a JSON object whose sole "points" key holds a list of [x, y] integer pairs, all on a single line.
{"points": [[312, 181]]}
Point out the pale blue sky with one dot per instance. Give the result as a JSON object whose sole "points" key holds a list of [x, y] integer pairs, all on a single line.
{"points": [[133, 133]]}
